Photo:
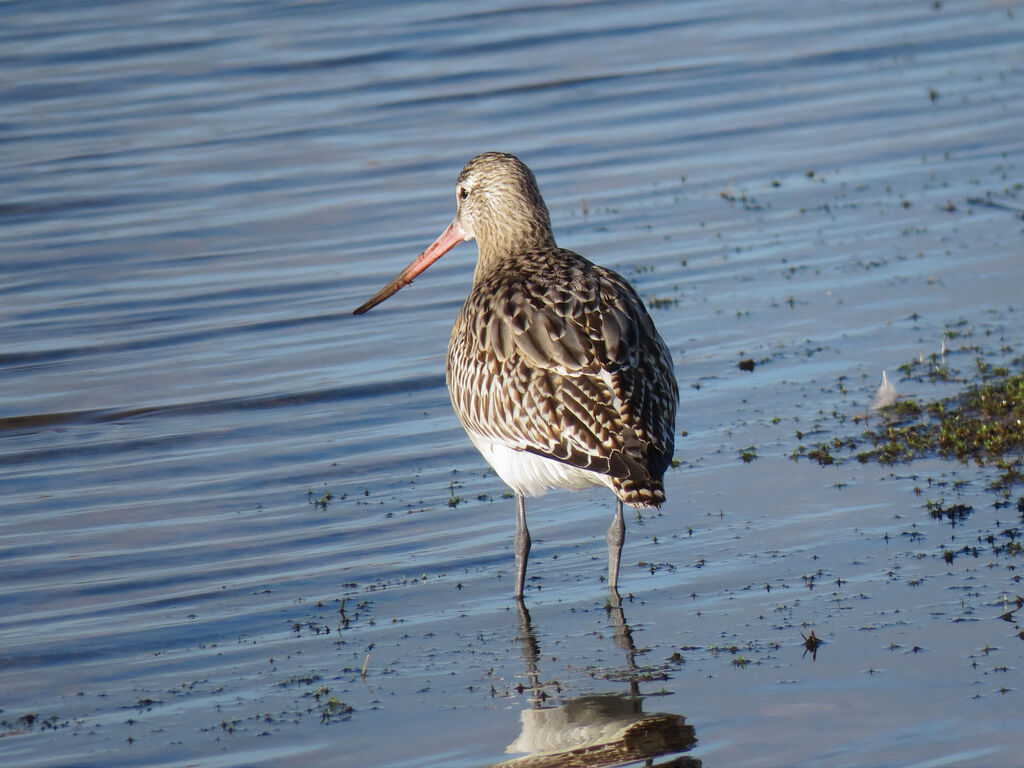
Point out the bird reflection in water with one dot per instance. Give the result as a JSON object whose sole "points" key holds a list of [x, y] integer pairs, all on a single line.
{"points": [[599, 729]]}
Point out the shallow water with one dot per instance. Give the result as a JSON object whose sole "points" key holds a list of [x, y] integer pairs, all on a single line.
{"points": [[197, 195]]}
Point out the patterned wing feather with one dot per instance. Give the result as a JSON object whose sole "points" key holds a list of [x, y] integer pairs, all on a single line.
{"points": [[557, 356]]}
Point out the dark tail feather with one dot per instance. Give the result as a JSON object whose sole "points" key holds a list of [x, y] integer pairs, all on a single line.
{"points": [[633, 483]]}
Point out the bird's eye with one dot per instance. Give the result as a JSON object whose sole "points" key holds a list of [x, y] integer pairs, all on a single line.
{"points": [[463, 193]]}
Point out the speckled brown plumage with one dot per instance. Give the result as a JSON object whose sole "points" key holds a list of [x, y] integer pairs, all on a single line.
{"points": [[557, 356], [555, 368]]}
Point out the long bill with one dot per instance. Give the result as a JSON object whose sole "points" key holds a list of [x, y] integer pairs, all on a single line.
{"points": [[444, 243]]}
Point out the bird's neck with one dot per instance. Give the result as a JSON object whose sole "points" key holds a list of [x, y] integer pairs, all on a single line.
{"points": [[496, 254]]}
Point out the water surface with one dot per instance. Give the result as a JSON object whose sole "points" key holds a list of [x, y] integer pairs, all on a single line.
{"points": [[197, 195]]}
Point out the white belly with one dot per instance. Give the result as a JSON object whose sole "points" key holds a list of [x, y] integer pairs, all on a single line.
{"points": [[531, 475]]}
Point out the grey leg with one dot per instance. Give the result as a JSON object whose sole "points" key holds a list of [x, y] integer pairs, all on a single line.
{"points": [[616, 535], [522, 544]]}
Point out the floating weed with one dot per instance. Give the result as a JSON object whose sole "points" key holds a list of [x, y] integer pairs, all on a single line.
{"points": [[749, 203], [984, 424], [297, 680], [453, 500], [821, 454], [811, 645], [955, 513], [656, 302], [320, 502]]}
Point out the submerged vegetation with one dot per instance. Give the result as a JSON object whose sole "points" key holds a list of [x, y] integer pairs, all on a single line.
{"points": [[984, 424]]}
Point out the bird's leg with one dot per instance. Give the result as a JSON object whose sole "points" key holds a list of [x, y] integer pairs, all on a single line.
{"points": [[522, 544], [616, 535]]}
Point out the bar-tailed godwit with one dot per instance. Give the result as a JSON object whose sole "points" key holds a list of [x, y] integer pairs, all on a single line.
{"points": [[555, 368]]}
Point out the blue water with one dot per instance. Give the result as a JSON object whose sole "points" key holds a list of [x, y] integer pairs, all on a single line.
{"points": [[195, 197]]}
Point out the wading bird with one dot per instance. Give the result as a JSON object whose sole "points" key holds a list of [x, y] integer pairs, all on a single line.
{"points": [[555, 368]]}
